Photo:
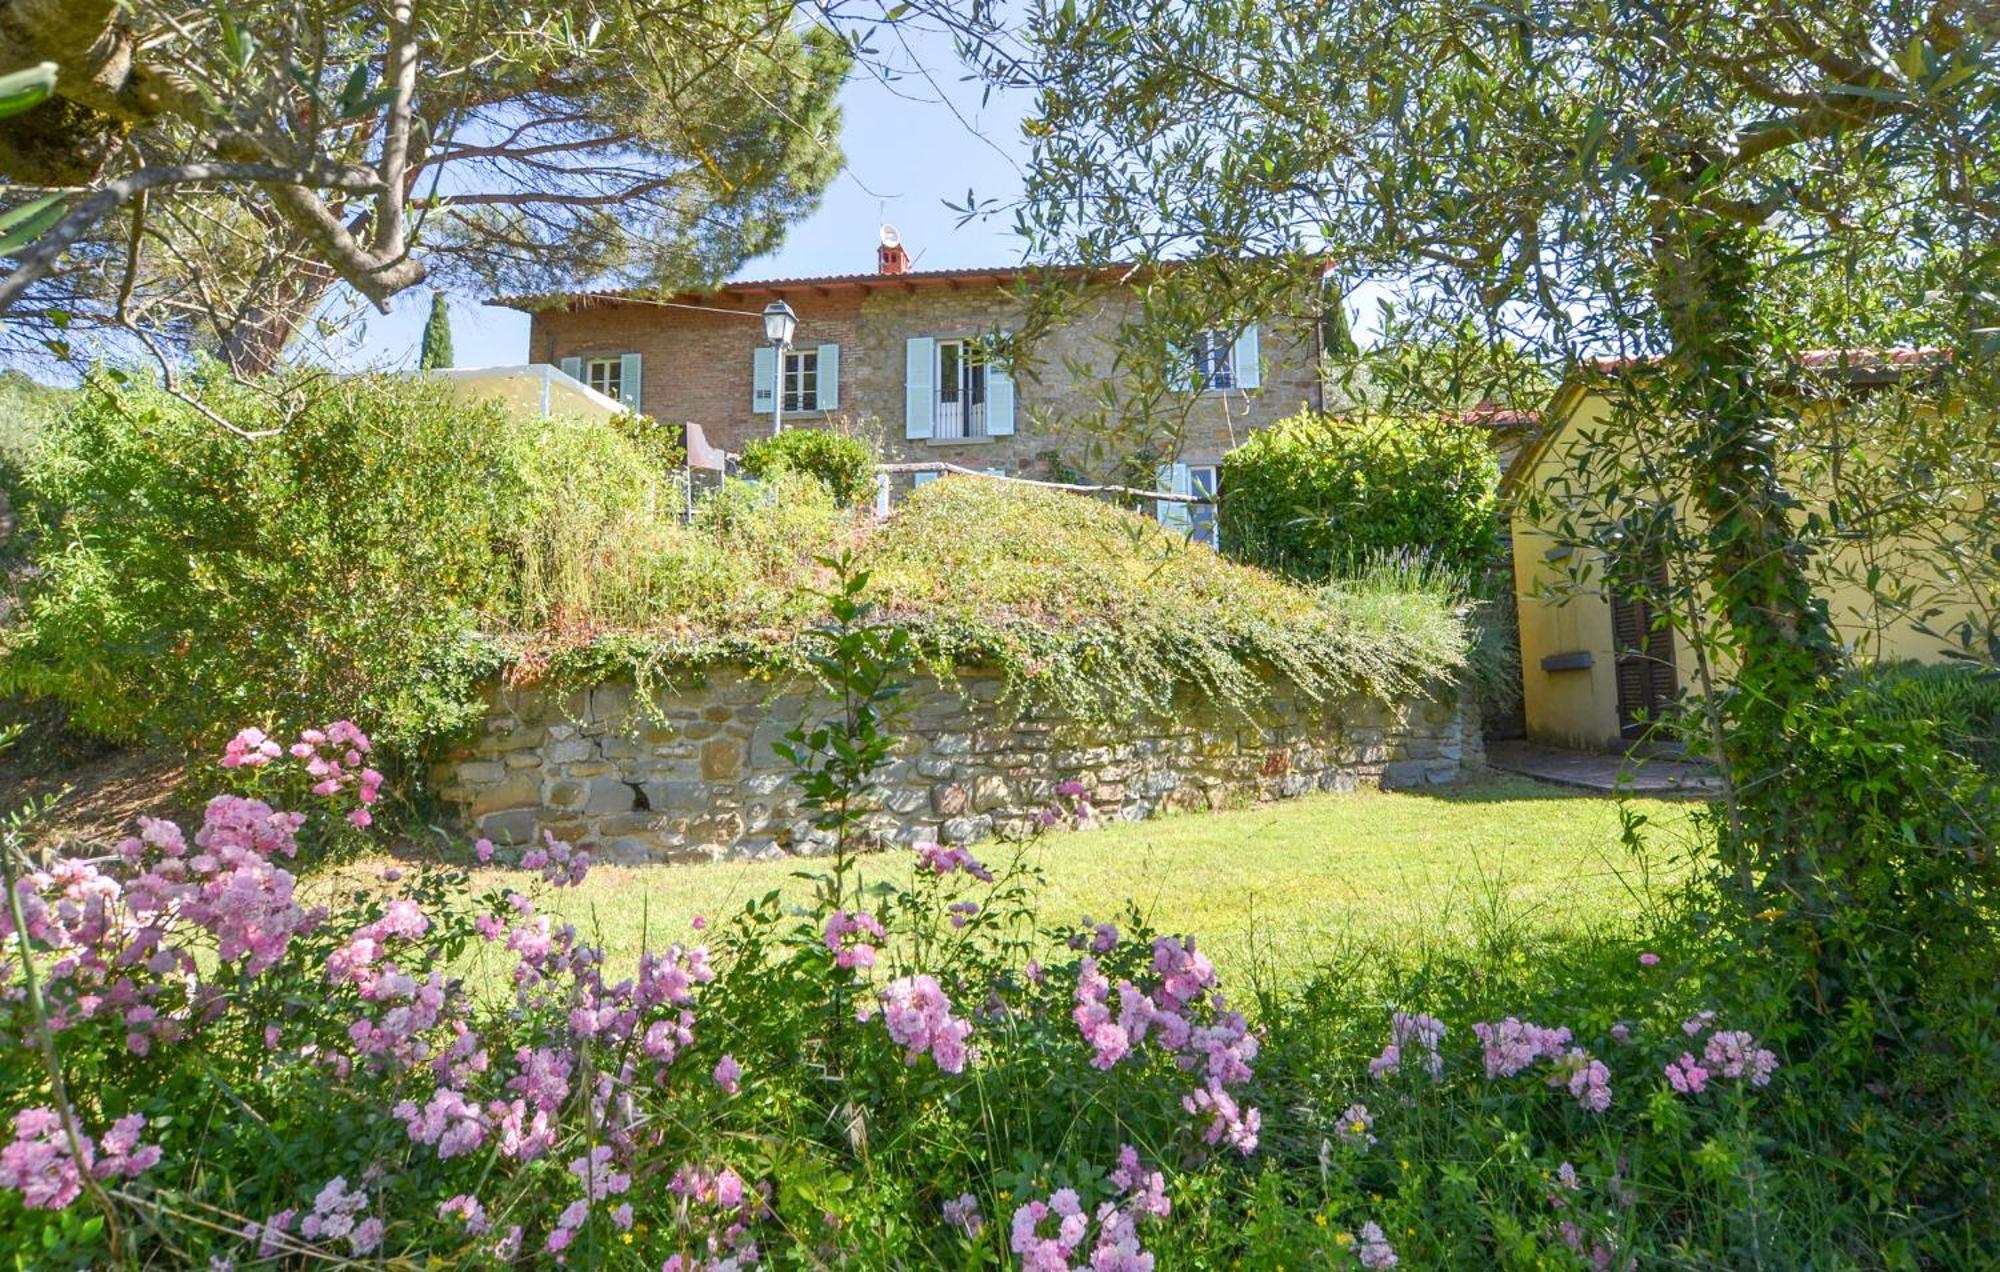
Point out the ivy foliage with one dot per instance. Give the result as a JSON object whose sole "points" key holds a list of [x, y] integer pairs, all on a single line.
{"points": [[1320, 495]]}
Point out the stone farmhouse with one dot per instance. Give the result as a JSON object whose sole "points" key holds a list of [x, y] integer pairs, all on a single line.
{"points": [[896, 353]]}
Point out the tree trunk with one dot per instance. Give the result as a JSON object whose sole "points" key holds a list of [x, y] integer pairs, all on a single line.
{"points": [[1725, 434]]}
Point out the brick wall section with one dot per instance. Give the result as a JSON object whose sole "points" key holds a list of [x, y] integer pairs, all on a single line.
{"points": [[691, 775], [697, 366]]}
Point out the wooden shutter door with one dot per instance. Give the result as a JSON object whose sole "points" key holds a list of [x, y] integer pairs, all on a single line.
{"points": [[1644, 647]]}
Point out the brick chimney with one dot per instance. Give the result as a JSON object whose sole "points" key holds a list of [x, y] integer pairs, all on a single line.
{"points": [[890, 258]]}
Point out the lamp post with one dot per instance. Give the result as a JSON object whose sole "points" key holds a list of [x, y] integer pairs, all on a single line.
{"points": [[779, 324]]}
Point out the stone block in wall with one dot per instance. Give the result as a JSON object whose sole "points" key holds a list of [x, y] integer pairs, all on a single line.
{"points": [[721, 760], [965, 830], [514, 826], [569, 750], [950, 799], [904, 800], [481, 772], [512, 790], [610, 795], [990, 792]]}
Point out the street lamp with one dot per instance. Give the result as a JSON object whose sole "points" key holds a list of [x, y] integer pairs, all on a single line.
{"points": [[779, 324]]}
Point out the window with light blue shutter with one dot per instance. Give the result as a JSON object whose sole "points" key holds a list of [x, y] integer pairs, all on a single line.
{"points": [[829, 377], [1246, 359], [1173, 514], [628, 381], [763, 379], [573, 368], [919, 386], [999, 401]]}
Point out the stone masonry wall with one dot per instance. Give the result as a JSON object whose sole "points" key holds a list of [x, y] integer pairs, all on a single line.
{"points": [[692, 776]]}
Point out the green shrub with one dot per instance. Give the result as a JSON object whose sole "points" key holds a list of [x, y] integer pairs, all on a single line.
{"points": [[189, 580], [842, 461], [1318, 495], [1960, 701], [26, 408]]}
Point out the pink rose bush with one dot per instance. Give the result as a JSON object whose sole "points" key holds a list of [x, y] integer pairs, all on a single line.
{"points": [[422, 1063]]}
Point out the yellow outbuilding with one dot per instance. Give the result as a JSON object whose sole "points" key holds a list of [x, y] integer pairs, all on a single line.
{"points": [[1597, 667]]}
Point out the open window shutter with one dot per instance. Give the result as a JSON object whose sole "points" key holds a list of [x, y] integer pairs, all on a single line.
{"points": [[763, 379], [1249, 374], [573, 368], [919, 387], [999, 401], [628, 380], [829, 377], [1173, 478]]}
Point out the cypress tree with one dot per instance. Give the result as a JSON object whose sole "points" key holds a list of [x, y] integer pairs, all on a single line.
{"points": [[436, 352]]}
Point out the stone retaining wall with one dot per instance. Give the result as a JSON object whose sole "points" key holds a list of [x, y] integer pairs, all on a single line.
{"points": [[692, 775]]}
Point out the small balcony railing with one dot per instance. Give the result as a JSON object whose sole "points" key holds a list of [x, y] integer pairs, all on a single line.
{"points": [[957, 419]]}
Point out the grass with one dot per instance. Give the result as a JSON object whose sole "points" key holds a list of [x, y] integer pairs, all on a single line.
{"points": [[1279, 890]]}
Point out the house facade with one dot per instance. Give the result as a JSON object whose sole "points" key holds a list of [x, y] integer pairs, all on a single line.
{"points": [[896, 355]]}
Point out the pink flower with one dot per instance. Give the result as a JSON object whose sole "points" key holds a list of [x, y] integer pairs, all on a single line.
{"points": [[1587, 1079], [918, 1017], [482, 850], [962, 1212], [1372, 1247], [1512, 1045], [1355, 1126], [1649, 960], [250, 748], [1408, 1029], [1686, 1075], [38, 1164], [845, 933], [361, 818], [1735, 1054], [366, 1236], [944, 861], [728, 1074]]}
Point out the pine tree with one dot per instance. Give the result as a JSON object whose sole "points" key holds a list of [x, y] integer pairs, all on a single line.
{"points": [[436, 353]]}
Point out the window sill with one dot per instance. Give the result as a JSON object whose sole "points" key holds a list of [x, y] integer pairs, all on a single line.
{"points": [[987, 440]]}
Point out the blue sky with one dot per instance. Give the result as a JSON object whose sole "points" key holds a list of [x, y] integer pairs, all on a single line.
{"points": [[910, 146]]}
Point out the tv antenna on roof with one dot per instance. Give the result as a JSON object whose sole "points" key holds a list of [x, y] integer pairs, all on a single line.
{"points": [[889, 236]]}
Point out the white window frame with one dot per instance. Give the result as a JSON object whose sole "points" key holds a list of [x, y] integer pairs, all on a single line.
{"points": [[606, 375], [801, 368], [961, 400], [1212, 360], [1203, 479]]}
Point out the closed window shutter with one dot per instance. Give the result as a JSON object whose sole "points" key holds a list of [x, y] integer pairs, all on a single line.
{"points": [[1249, 373], [573, 368], [1173, 478], [628, 380], [763, 378], [999, 401], [829, 378], [919, 386]]}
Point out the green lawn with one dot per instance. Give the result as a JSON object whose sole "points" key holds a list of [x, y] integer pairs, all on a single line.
{"points": [[1282, 886]]}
